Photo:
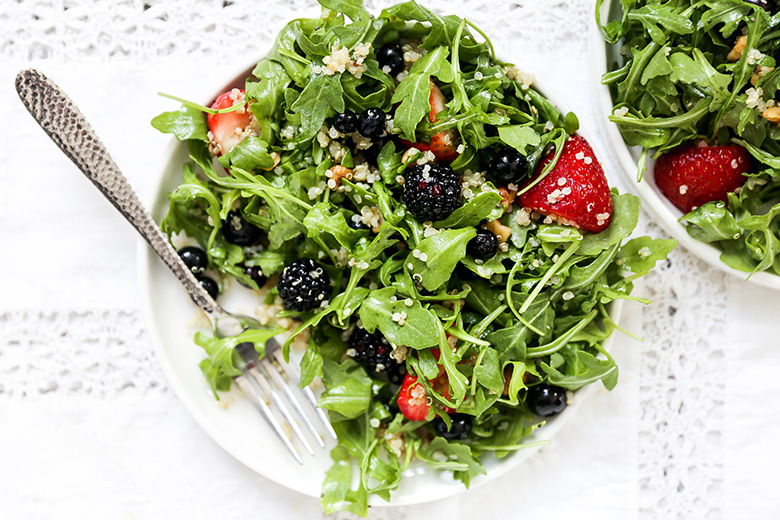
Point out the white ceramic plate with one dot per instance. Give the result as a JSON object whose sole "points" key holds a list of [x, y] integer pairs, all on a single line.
{"points": [[663, 212], [232, 422]]}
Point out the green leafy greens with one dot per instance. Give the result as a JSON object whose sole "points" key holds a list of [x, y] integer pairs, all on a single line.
{"points": [[476, 333], [679, 80]]}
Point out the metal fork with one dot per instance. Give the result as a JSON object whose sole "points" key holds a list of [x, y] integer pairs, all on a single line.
{"points": [[267, 381]]}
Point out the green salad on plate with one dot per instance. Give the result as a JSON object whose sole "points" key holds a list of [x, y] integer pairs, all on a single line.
{"points": [[429, 225], [694, 84]]}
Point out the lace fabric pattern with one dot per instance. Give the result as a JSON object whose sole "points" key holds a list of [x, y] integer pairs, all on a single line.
{"points": [[681, 412]]}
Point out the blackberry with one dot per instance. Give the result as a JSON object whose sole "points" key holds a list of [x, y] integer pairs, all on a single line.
{"points": [[546, 400], [508, 166], [392, 57], [345, 122], [210, 285], [484, 245], [373, 352], [461, 427], [371, 123], [303, 286], [432, 191], [195, 258], [238, 231]]}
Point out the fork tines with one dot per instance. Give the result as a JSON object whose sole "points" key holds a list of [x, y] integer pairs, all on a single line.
{"points": [[271, 385]]}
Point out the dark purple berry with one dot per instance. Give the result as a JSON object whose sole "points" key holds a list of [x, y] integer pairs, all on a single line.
{"points": [[195, 258], [371, 123], [484, 245], [508, 166], [357, 225], [392, 57], [371, 154], [432, 191], [304, 285], [373, 352], [346, 122], [256, 274], [460, 429], [546, 400], [238, 231], [210, 285]]}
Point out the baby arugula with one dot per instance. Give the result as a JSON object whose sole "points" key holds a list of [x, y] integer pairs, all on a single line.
{"points": [[475, 332], [705, 70]]}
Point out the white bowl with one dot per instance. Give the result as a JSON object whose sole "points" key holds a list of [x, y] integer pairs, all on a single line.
{"points": [[662, 211], [233, 423]]}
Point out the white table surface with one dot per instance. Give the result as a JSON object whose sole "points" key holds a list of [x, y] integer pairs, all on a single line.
{"points": [[88, 425]]}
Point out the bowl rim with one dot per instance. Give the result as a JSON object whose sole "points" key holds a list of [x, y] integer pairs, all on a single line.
{"points": [[662, 211], [146, 262]]}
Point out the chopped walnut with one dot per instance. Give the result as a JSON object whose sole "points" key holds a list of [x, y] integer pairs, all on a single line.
{"points": [[336, 173], [759, 73], [772, 114], [501, 231], [739, 48], [277, 159], [507, 197]]}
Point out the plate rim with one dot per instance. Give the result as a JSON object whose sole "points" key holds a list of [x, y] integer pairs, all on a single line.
{"points": [[146, 259], [664, 213]]}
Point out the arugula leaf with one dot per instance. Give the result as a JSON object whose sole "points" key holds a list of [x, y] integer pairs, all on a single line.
{"points": [[347, 388], [415, 91], [185, 123], [379, 309], [321, 98]]}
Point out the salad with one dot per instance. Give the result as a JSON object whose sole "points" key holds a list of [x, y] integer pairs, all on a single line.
{"points": [[695, 87], [424, 221]]}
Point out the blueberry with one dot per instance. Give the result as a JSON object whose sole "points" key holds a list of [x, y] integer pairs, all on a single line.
{"points": [[195, 258], [508, 166], [483, 246], [238, 231], [546, 400], [461, 427], [371, 123], [356, 225], [256, 274], [391, 56], [345, 122], [210, 285]]}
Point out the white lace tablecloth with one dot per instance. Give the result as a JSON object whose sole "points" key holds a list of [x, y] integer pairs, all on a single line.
{"points": [[88, 425]]}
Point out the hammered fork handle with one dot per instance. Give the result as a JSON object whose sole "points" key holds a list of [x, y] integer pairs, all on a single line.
{"points": [[64, 123]]}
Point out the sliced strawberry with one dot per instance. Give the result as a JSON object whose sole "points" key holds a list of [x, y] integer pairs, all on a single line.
{"points": [[412, 400], [437, 101], [443, 145], [229, 128], [690, 176], [575, 192]]}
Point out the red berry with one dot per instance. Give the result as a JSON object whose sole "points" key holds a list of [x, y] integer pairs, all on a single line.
{"points": [[412, 400], [229, 128], [575, 192], [443, 145], [690, 175]]}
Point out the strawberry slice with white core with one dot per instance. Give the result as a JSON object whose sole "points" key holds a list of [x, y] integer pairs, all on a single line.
{"points": [[228, 129]]}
